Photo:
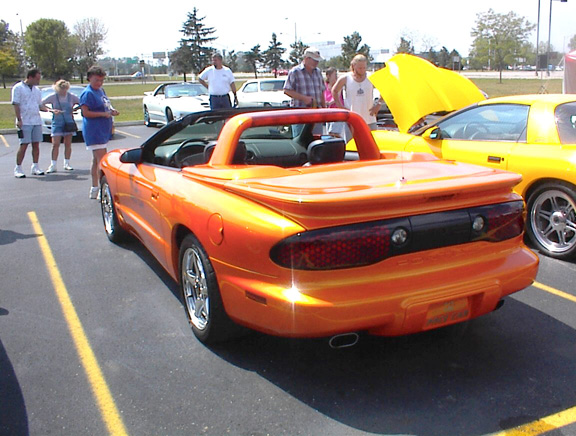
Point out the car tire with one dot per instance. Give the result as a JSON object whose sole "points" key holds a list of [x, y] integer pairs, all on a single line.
{"points": [[169, 115], [201, 295], [551, 223], [147, 121], [114, 230]]}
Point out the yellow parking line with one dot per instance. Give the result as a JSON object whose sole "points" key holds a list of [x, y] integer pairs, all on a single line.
{"points": [[126, 133], [544, 425], [4, 141], [551, 422], [555, 291], [100, 389]]}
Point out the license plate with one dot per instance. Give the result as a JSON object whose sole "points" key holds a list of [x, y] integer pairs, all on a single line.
{"points": [[447, 312]]}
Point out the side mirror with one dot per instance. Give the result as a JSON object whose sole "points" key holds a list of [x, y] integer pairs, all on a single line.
{"points": [[132, 156], [433, 133]]}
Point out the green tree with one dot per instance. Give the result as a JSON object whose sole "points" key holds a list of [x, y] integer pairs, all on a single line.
{"points": [[50, 47], [352, 47], [297, 53], [498, 38], [572, 43], [231, 60], [253, 58], [90, 33], [180, 59], [405, 46], [197, 36], [273, 55], [9, 59]]}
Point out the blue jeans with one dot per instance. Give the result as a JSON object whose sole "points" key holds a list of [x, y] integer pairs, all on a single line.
{"points": [[220, 102]]}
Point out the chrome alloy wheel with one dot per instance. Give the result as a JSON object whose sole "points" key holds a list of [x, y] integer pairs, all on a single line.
{"points": [[107, 209], [195, 288], [553, 221]]}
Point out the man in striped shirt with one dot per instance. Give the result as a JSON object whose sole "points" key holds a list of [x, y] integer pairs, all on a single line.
{"points": [[304, 83]]}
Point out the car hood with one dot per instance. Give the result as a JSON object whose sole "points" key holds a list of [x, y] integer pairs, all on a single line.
{"points": [[413, 88], [363, 191]]}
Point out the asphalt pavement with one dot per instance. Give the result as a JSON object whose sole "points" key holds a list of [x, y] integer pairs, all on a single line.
{"points": [[94, 340]]}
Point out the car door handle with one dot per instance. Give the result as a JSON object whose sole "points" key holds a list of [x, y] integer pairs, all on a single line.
{"points": [[495, 159], [155, 195]]}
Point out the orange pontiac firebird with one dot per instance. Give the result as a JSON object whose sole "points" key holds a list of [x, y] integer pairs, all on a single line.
{"points": [[267, 224]]}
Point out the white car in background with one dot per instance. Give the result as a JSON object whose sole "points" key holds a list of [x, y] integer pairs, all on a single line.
{"points": [[263, 92], [47, 116], [170, 101]]}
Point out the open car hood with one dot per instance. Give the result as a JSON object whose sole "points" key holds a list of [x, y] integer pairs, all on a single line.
{"points": [[414, 88]]}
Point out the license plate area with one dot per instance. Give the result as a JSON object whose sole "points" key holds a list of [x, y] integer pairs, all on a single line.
{"points": [[446, 313]]}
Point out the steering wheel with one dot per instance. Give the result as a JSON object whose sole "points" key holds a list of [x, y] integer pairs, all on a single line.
{"points": [[472, 129], [179, 155]]}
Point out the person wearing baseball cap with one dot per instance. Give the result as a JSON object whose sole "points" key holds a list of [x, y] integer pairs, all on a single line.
{"points": [[305, 84]]}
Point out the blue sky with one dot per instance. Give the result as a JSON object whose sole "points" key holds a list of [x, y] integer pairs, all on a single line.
{"points": [[136, 30]]}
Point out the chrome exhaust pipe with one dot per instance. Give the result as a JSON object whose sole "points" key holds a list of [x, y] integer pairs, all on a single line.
{"points": [[344, 340]]}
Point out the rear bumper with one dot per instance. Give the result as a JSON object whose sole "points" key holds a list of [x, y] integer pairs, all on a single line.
{"points": [[399, 296]]}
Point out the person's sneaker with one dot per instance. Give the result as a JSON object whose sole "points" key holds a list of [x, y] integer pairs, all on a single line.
{"points": [[51, 169], [18, 173], [67, 167], [94, 192], [36, 171]]}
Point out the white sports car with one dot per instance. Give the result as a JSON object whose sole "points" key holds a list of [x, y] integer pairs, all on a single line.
{"points": [[170, 101], [263, 92], [47, 116]]}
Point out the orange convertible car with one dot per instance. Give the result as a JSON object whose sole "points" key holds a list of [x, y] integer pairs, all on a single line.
{"points": [[268, 225]]}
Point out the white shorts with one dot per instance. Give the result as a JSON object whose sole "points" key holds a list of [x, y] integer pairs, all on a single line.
{"points": [[96, 147]]}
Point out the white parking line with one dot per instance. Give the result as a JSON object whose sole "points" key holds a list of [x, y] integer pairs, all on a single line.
{"points": [[4, 141]]}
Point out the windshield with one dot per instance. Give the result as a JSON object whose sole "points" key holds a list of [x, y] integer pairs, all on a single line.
{"points": [[272, 85], [186, 90], [76, 90]]}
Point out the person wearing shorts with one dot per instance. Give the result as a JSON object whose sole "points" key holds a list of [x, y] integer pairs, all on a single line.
{"points": [[27, 102], [97, 124], [64, 104]]}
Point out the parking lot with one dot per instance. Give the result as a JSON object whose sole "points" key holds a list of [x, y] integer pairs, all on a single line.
{"points": [[94, 340]]}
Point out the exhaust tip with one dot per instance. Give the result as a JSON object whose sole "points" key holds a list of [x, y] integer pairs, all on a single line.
{"points": [[344, 340]]}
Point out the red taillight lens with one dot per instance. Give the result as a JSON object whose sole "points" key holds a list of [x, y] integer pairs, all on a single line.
{"points": [[367, 243], [337, 247], [503, 221]]}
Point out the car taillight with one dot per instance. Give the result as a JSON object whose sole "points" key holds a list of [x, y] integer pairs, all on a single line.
{"points": [[335, 247], [502, 221], [368, 243]]}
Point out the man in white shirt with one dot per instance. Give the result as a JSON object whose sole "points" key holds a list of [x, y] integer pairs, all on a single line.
{"points": [[27, 102], [220, 81]]}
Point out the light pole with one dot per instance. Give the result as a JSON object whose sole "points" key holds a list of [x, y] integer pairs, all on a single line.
{"points": [[549, 34], [295, 33], [538, 40]]}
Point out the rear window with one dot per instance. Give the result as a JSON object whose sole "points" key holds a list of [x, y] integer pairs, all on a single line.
{"points": [[566, 122]]}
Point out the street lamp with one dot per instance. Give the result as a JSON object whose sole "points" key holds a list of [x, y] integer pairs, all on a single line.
{"points": [[538, 40], [549, 33]]}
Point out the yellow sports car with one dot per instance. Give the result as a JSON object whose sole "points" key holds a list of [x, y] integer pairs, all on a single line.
{"points": [[441, 112]]}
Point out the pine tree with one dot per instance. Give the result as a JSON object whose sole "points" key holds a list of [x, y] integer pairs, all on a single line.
{"points": [[273, 56], [197, 38]]}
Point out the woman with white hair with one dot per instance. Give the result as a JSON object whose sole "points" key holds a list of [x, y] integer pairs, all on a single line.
{"points": [[63, 125]]}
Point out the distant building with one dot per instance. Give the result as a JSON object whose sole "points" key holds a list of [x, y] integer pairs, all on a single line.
{"points": [[329, 50]]}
